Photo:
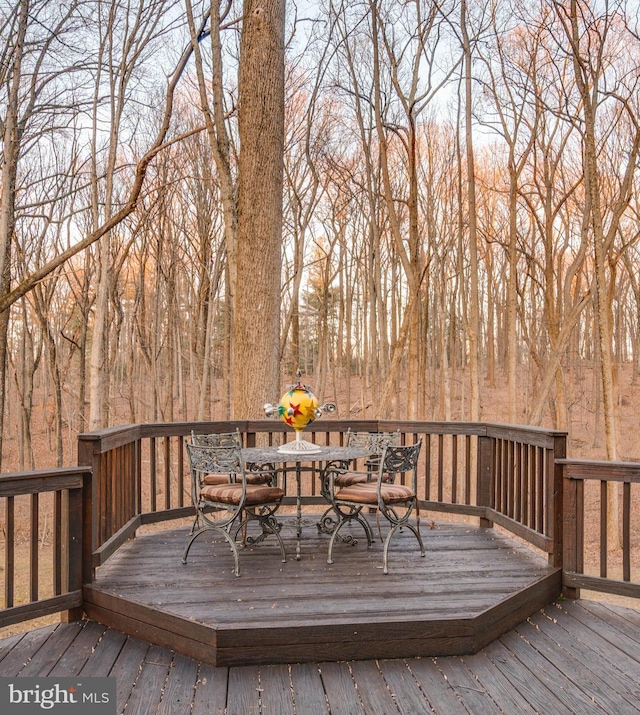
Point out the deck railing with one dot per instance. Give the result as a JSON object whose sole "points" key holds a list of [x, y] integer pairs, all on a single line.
{"points": [[593, 491], [502, 474], [42, 556], [515, 477]]}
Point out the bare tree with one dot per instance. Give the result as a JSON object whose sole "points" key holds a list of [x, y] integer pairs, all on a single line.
{"points": [[509, 89], [256, 319], [215, 114], [592, 48], [36, 54]]}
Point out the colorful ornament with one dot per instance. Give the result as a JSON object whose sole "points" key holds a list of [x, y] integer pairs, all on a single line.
{"points": [[298, 407]]}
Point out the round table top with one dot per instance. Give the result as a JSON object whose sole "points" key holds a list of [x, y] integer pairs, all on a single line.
{"points": [[322, 453]]}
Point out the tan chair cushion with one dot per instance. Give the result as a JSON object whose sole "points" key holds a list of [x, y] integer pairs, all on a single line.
{"points": [[232, 494], [215, 479], [257, 477], [366, 493], [348, 479]]}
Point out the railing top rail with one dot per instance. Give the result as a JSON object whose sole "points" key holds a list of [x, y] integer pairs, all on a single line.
{"points": [[111, 437], [601, 469], [535, 436], [42, 480]]}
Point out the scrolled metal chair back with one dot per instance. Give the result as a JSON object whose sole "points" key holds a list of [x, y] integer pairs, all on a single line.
{"points": [[401, 458], [219, 439], [376, 441], [215, 460]]}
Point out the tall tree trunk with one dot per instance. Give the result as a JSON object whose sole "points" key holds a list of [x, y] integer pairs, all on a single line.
{"points": [[256, 319]]}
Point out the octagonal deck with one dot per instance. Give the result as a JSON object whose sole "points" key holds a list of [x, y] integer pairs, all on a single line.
{"points": [[473, 585]]}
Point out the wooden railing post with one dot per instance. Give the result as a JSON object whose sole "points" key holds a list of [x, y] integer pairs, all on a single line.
{"points": [[570, 538], [555, 515], [75, 519], [87, 457], [485, 476]]}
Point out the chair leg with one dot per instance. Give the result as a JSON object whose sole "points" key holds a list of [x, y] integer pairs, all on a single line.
{"points": [[416, 531], [356, 516], [327, 522], [194, 535], [275, 530], [269, 524], [228, 539], [387, 541]]}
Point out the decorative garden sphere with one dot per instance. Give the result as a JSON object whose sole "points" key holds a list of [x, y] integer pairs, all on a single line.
{"points": [[298, 407]]}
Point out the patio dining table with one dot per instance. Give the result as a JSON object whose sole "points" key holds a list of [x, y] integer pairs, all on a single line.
{"points": [[328, 457]]}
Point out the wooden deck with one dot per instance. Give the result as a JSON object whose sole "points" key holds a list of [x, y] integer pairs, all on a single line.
{"points": [[473, 585], [572, 657]]}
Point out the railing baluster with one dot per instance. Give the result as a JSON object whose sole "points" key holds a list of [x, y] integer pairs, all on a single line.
{"points": [[580, 527], [427, 468], [33, 547], [138, 476], [454, 469], [540, 490], [499, 476], [152, 474], [604, 515], [467, 469], [626, 531], [9, 553], [120, 478], [524, 500], [167, 473], [180, 471], [440, 466], [57, 543], [509, 477]]}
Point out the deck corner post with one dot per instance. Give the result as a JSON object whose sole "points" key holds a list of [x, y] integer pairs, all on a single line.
{"points": [[74, 544], [88, 456], [571, 531], [556, 516], [485, 476]]}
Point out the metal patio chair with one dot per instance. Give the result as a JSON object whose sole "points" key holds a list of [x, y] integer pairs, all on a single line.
{"points": [[374, 441], [340, 476], [256, 473], [226, 508], [214, 440], [395, 502]]}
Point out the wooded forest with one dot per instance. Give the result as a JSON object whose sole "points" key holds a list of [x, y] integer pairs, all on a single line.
{"points": [[460, 211]]}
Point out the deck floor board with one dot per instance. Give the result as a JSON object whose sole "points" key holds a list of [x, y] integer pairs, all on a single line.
{"points": [[601, 661], [530, 686], [497, 686], [149, 688], [180, 687]]}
